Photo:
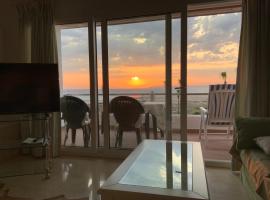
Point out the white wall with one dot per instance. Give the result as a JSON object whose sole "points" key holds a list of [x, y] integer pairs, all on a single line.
{"points": [[66, 11], [124, 8], [74, 11], [9, 29], [9, 132], [71, 11]]}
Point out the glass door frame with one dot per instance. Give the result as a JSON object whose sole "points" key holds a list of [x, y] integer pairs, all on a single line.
{"points": [[106, 151], [193, 9], [168, 66]]}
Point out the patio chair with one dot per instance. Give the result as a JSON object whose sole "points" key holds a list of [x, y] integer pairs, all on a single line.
{"points": [[75, 113], [220, 112], [127, 112]]}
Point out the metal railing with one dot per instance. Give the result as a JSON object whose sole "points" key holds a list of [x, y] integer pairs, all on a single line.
{"points": [[194, 100]]}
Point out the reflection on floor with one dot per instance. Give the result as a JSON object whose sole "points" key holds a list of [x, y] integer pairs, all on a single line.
{"points": [[75, 178], [21, 165], [80, 178], [217, 147]]}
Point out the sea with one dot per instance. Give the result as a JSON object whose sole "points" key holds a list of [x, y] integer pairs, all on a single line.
{"points": [[151, 94]]}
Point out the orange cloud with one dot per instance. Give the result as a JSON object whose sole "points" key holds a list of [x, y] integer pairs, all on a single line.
{"points": [[154, 76], [76, 80], [149, 76]]}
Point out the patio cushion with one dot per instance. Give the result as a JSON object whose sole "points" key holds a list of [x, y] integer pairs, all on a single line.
{"points": [[257, 164], [250, 128]]}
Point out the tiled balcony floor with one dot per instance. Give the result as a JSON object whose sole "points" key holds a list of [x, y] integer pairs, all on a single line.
{"points": [[217, 147]]}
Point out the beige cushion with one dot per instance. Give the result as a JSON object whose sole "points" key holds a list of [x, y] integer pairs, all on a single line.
{"points": [[263, 143]]}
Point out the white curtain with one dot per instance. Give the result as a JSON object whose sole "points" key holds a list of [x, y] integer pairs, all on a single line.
{"points": [[25, 54], [253, 73], [38, 45]]}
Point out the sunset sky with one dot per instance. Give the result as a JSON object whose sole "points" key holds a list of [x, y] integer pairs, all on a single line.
{"points": [[136, 53]]}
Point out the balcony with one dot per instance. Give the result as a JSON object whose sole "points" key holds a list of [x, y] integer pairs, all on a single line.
{"points": [[218, 144]]}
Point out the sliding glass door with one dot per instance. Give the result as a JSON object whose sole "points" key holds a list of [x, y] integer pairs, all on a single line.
{"points": [[213, 42], [75, 82], [137, 62], [134, 57], [137, 70], [165, 62]]}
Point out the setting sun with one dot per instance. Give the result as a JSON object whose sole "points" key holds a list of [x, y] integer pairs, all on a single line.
{"points": [[135, 81], [135, 78], [136, 61]]}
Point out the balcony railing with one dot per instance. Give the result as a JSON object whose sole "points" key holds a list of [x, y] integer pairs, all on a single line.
{"points": [[194, 100], [217, 148]]}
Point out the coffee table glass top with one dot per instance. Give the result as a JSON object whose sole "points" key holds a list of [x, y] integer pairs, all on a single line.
{"points": [[162, 164]]}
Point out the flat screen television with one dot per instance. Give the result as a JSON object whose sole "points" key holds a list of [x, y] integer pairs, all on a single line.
{"points": [[29, 88]]}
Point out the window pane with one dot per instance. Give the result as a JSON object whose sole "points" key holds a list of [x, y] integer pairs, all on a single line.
{"points": [[100, 86], [213, 43], [76, 83], [137, 70], [176, 77]]}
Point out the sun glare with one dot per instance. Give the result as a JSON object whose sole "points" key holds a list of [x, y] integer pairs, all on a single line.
{"points": [[135, 78], [135, 81]]}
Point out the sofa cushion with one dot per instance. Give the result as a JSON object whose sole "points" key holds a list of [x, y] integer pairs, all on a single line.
{"points": [[257, 164], [249, 128], [254, 155], [264, 143]]}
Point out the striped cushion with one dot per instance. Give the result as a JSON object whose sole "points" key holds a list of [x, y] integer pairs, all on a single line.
{"points": [[221, 123], [221, 104]]}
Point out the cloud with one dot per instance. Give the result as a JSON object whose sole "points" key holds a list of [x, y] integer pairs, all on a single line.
{"points": [[115, 58], [139, 40], [214, 37], [69, 42], [84, 69], [161, 50], [74, 43], [230, 49], [212, 40], [199, 27]]}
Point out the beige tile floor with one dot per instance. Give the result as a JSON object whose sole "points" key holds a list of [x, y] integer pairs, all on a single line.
{"points": [[224, 185], [80, 177], [217, 148]]}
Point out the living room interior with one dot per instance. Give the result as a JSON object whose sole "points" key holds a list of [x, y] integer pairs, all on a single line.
{"points": [[134, 100]]}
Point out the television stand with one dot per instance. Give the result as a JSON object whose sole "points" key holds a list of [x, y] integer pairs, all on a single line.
{"points": [[33, 144]]}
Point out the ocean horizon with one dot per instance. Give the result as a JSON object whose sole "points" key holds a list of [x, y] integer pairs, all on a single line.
{"points": [[190, 89], [149, 94]]}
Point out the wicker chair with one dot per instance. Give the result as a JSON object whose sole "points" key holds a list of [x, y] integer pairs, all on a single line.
{"points": [[75, 114], [126, 111]]}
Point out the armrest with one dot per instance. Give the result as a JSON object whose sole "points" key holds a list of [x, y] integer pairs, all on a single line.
{"points": [[204, 113], [151, 114], [203, 110], [87, 119]]}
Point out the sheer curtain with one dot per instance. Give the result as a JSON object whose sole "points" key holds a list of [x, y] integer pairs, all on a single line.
{"points": [[253, 75], [24, 53], [38, 45]]}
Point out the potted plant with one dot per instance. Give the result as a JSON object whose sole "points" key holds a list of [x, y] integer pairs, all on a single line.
{"points": [[224, 77]]}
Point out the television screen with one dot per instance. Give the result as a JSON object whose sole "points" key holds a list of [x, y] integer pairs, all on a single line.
{"points": [[29, 88]]}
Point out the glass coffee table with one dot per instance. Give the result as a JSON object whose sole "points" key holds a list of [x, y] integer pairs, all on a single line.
{"points": [[159, 169]]}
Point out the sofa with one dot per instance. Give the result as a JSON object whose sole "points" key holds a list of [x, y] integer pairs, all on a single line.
{"points": [[255, 168]]}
